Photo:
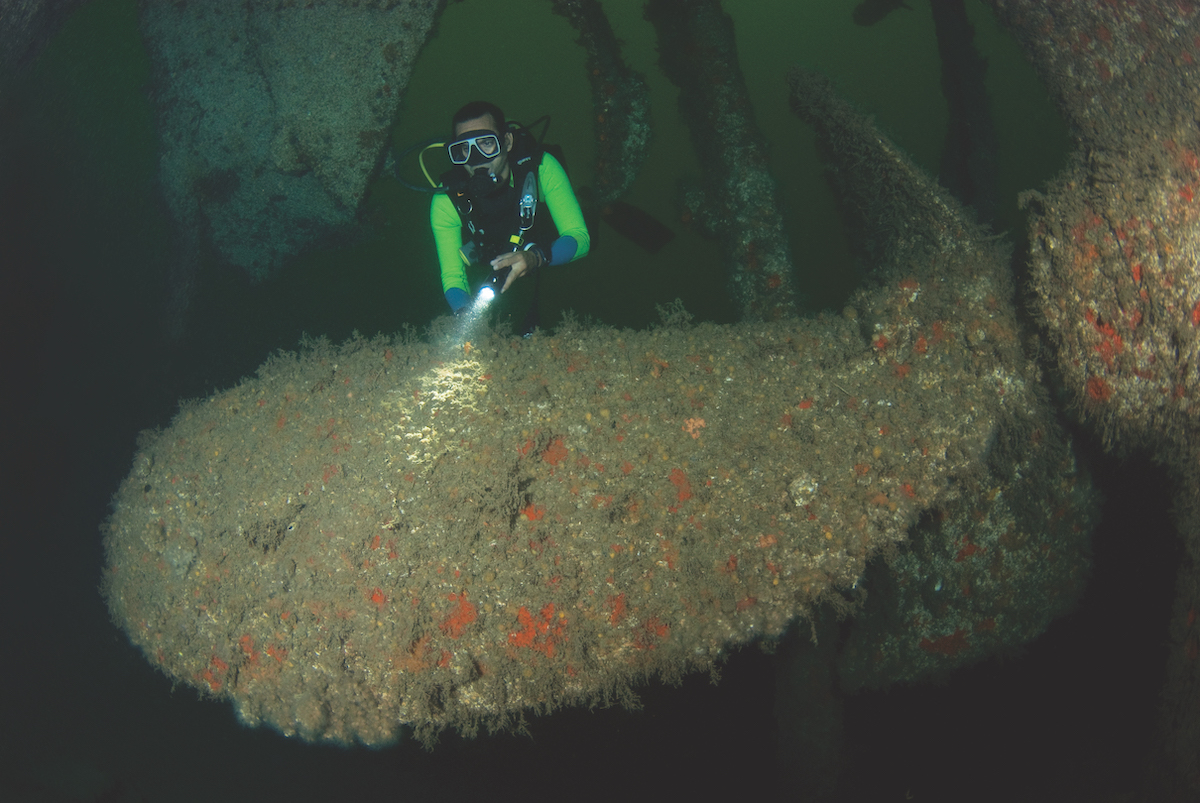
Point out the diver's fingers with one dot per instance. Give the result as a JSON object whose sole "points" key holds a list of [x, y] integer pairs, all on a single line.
{"points": [[506, 259], [518, 268]]}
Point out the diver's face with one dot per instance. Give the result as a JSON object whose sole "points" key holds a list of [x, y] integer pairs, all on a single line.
{"points": [[499, 165]]}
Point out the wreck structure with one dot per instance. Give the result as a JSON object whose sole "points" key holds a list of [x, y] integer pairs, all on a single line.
{"points": [[735, 201], [1114, 244], [272, 118], [452, 533]]}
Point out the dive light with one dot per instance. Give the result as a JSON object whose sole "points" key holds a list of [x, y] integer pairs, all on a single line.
{"points": [[527, 209], [494, 284]]}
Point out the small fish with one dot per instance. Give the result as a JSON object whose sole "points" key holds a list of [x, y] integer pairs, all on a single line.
{"points": [[869, 12]]}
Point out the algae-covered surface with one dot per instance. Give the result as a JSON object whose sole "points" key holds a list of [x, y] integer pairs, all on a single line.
{"points": [[453, 532], [458, 530]]}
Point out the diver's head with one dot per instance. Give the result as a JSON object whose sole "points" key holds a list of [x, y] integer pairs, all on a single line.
{"points": [[480, 131]]}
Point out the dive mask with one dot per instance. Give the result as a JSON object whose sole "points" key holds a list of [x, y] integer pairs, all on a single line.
{"points": [[474, 148]]}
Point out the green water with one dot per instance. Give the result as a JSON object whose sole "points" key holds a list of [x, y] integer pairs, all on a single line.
{"points": [[87, 122], [89, 366], [533, 67]]}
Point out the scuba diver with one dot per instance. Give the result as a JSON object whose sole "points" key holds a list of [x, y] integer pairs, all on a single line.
{"points": [[488, 213]]}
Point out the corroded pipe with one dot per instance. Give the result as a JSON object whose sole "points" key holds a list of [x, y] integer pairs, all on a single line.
{"points": [[620, 100], [740, 206]]}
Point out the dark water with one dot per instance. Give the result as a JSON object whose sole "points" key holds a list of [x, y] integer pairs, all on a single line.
{"points": [[84, 247]]}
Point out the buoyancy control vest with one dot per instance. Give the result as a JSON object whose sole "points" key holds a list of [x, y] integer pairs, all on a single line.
{"points": [[492, 213]]}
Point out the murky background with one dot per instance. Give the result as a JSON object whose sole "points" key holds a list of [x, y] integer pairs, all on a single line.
{"points": [[83, 271]]}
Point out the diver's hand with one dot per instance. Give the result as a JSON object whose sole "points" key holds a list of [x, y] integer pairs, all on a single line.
{"points": [[519, 261]]}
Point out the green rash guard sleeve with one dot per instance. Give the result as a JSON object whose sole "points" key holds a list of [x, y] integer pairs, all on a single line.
{"points": [[447, 237], [564, 209], [556, 192]]}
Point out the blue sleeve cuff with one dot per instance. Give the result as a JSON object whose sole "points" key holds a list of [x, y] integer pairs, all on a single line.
{"points": [[563, 250], [457, 298]]}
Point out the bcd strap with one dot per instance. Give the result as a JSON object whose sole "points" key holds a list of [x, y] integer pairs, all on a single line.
{"points": [[525, 158]]}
